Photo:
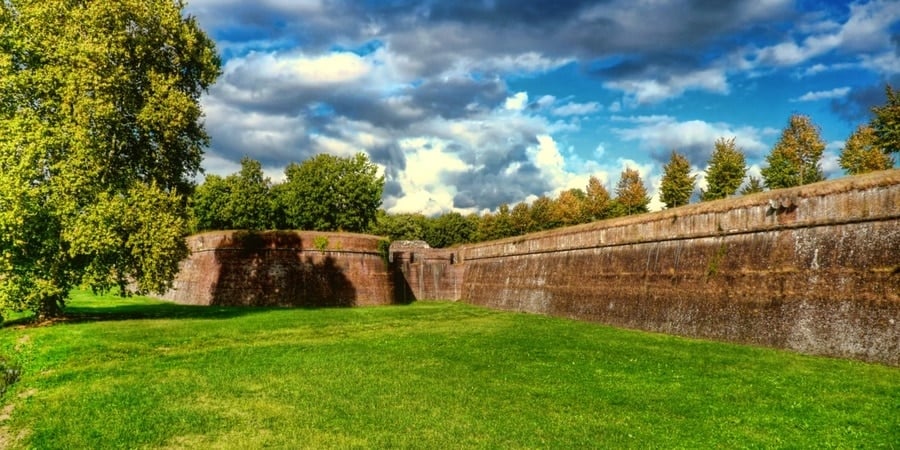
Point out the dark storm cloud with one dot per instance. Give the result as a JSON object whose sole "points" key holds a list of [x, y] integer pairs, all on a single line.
{"points": [[449, 98], [857, 105]]}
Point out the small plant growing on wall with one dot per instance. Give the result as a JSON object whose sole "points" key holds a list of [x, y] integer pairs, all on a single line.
{"points": [[321, 243]]}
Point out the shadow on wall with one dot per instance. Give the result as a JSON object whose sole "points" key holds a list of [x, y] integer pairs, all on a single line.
{"points": [[276, 270]]}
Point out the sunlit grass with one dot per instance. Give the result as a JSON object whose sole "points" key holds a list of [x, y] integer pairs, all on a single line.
{"points": [[141, 373]]}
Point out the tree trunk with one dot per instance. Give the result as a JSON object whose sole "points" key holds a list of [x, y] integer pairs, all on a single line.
{"points": [[50, 308]]}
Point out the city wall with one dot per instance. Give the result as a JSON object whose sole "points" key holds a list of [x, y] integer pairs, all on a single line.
{"points": [[285, 268], [814, 269]]}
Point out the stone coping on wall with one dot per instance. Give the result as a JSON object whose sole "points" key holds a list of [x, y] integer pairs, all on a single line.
{"points": [[831, 202], [284, 240]]}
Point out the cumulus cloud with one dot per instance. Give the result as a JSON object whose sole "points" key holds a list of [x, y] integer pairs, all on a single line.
{"points": [[438, 93], [661, 134]]}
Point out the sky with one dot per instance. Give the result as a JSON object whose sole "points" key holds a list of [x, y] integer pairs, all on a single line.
{"points": [[465, 105]]}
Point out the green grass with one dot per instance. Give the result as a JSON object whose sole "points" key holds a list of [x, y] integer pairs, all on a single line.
{"points": [[138, 373]]}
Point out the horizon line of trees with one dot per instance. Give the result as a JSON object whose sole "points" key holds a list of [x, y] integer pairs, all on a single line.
{"points": [[328, 193]]}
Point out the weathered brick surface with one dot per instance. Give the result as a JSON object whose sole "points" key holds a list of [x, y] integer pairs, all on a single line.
{"points": [[815, 269], [283, 269]]}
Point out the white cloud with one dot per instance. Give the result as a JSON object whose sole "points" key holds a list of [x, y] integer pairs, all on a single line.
{"points": [[693, 137], [576, 109], [643, 90], [866, 30], [545, 101], [822, 95], [517, 102]]}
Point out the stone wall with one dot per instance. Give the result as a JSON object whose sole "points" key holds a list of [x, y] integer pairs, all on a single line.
{"points": [[284, 268], [814, 269]]}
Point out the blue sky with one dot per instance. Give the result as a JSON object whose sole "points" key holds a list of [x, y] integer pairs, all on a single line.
{"points": [[469, 104]]}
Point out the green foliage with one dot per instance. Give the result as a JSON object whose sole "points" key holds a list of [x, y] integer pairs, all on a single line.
{"points": [[677, 182], [426, 375], [320, 243], [631, 195], [99, 118], [542, 215], [570, 208], [240, 201], [886, 123], [330, 193], [496, 226], [754, 185], [597, 201], [450, 229], [399, 227], [794, 160], [727, 168], [861, 153]]}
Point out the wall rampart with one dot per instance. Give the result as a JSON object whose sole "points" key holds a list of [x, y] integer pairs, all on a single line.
{"points": [[284, 268], [814, 269]]}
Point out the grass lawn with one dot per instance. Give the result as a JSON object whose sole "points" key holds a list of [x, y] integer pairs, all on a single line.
{"points": [[138, 373]]}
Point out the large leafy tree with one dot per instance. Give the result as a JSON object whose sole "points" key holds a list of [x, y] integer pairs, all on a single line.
{"points": [[726, 171], [331, 193], [399, 227], [242, 200], [886, 123], [631, 195], [677, 184], [250, 205], [100, 136], [861, 153], [209, 203], [450, 229], [794, 160]]}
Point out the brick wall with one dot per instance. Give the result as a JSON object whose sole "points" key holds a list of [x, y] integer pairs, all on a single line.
{"points": [[815, 269]]}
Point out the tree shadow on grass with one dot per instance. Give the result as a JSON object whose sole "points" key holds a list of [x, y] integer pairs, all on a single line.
{"points": [[100, 313]]}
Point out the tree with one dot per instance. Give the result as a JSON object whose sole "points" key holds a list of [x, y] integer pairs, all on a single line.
{"points": [[754, 185], [631, 195], [240, 201], [250, 205], [597, 202], [677, 182], [209, 203], [541, 217], [450, 229], [727, 168], [861, 153], [100, 138], [330, 193], [568, 208], [520, 219], [794, 160], [399, 227], [886, 123], [496, 226]]}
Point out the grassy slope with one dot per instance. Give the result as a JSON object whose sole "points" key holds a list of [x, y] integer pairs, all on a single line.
{"points": [[143, 374]]}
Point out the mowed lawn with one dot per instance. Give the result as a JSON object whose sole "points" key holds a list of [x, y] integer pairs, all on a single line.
{"points": [[137, 373]]}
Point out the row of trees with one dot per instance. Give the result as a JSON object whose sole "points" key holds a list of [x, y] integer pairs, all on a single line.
{"points": [[323, 193], [571, 207], [331, 193], [794, 160]]}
